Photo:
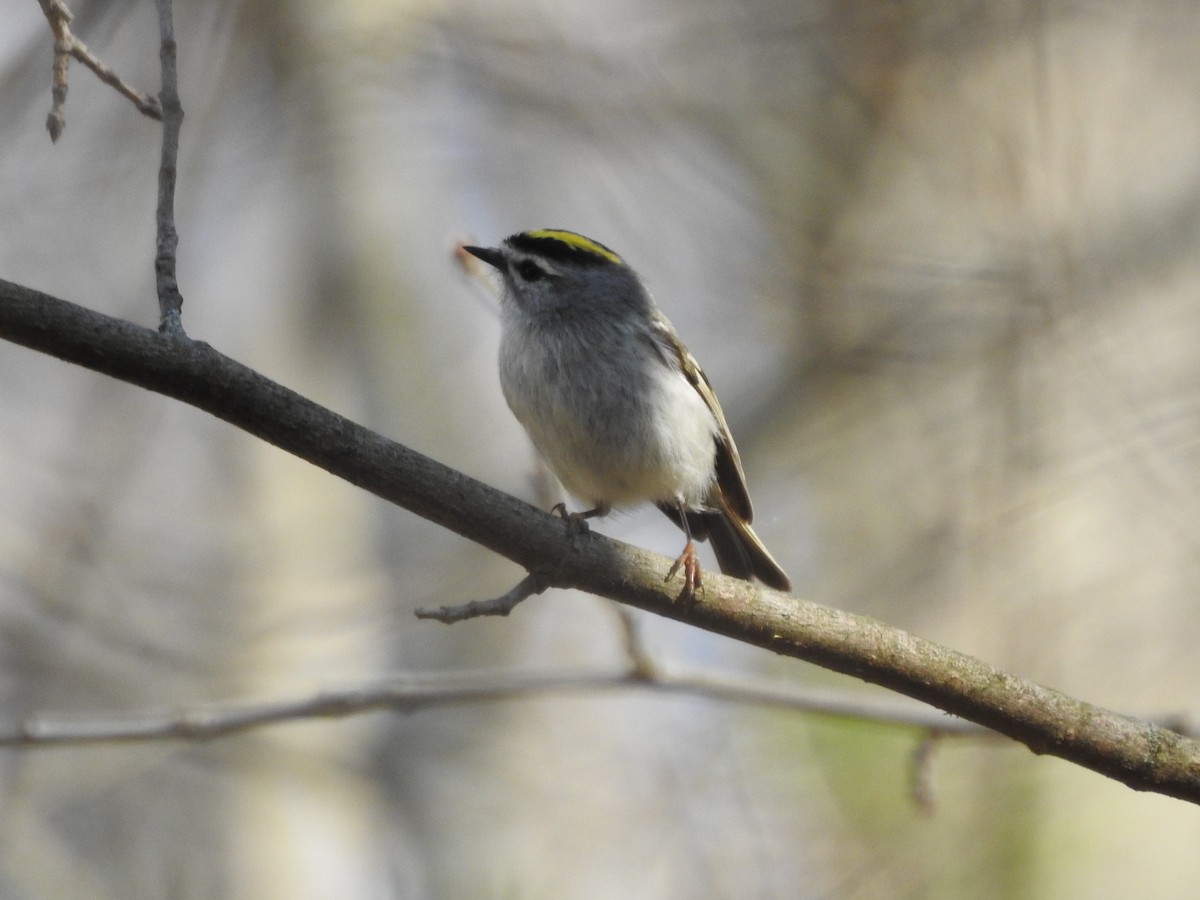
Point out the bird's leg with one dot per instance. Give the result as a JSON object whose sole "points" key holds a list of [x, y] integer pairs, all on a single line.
{"points": [[687, 561], [577, 521]]}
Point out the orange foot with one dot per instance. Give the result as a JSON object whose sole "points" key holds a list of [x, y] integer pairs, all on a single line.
{"points": [[691, 572]]}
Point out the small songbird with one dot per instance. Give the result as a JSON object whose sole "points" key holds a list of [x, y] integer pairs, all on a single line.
{"points": [[619, 409]]}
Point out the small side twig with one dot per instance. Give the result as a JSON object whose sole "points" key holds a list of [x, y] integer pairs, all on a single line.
{"points": [[66, 45], [531, 584], [170, 300], [59, 18]]}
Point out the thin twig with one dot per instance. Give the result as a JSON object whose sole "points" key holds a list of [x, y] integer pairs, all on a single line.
{"points": [[531, 584], [170, 301], [59, 18], [410, 693], [146, 105], [414, 692], [66, 45]]}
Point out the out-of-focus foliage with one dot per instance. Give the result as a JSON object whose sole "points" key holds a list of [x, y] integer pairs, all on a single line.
{"points": [[939, 259]]}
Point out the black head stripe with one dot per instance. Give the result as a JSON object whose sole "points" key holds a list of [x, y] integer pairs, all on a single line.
{"points": [[563, 246]]}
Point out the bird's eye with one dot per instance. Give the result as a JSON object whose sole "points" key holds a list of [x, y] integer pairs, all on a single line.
{"points": [[530, 271]]}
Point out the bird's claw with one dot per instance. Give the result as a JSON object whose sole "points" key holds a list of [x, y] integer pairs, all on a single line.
{"points": [[691, 572], [576, 522]]}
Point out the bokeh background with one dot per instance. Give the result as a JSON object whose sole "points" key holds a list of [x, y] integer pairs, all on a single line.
{"points": [[941, 261]]}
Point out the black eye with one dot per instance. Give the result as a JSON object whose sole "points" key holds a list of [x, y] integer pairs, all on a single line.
{"points": [[530, 271]]}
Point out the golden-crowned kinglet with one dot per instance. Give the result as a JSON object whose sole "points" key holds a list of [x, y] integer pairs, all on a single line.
{"points": [[613, 400]]}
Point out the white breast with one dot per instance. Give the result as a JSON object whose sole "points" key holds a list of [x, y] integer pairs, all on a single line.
{"points": [[611, 447]]}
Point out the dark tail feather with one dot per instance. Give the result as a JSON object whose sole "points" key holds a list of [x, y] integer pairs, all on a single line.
{"points": [[738, 549]]}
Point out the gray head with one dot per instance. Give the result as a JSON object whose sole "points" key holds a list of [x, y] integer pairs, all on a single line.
{"points": [[550, 271]]}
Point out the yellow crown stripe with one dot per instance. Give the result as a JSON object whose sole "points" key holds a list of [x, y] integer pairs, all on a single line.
{"points": [[578, 241]]}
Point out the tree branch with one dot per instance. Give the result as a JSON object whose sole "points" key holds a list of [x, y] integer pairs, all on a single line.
{"points": [[413, 692], [496, 606], [1141, 755], [67, 45], [170, 300]]}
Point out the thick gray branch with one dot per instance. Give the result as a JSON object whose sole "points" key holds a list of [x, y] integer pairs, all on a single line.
{"points": [[1141, 755]]}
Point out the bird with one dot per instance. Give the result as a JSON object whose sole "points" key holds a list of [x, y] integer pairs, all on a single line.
{"points": [[615, 403]]}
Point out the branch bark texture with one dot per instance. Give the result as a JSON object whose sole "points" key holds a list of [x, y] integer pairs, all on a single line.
{"points": [[1141, 755]]}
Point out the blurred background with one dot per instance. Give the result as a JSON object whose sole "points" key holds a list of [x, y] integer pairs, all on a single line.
{"points": [[940, 260]]}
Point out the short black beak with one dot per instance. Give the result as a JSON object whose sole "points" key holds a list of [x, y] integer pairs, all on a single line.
{"points": [[490, 255]]}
